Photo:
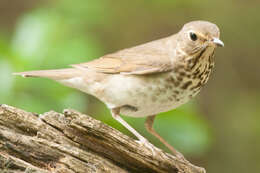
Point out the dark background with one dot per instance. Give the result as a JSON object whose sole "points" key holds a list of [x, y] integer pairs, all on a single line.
{"points": [[219, 130]]}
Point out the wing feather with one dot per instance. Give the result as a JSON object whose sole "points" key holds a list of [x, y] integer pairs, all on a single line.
{"points": [[153, 57]]}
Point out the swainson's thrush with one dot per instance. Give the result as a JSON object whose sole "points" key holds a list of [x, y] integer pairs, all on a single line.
{"points": [[148, 79]]}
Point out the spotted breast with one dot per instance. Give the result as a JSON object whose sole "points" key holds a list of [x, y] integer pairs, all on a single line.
{"points": [[155, 93]]}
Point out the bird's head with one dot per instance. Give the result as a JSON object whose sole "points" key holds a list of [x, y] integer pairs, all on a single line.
{"points": [[198, 35]]}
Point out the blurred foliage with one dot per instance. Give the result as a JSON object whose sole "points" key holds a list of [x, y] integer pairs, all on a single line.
{"points": [[58, 34], [54, 34]]}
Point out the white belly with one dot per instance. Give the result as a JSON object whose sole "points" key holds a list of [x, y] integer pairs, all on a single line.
{"points": [[143, 96]]}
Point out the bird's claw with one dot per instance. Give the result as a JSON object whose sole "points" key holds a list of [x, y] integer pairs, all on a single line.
{"points": [[151, 147]]}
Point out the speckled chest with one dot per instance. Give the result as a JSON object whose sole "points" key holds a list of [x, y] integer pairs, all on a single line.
{"points": [[167, 91], [189, 79], [151, 94]]}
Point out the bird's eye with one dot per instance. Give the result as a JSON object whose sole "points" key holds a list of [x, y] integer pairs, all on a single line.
{"points": [[193, 36]]}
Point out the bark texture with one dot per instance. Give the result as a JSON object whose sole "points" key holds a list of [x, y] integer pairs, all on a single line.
{"points": [[75, 143]]}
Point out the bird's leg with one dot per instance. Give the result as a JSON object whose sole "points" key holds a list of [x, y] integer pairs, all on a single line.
{"points": [[149, 126], [116, 115]]}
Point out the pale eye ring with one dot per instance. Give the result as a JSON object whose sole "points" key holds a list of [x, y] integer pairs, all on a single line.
{"points": [[193, 36]]}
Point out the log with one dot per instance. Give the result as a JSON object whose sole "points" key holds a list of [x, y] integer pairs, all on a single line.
{"points": [[71, 142]]}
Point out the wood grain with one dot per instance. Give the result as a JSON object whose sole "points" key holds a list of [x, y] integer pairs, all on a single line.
{"points": [[75, 143]]}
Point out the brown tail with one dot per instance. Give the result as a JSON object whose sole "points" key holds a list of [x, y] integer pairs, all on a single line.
{"points": [[58, 74]]}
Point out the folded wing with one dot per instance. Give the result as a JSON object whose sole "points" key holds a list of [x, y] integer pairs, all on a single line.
{"points": [[153, 57]]}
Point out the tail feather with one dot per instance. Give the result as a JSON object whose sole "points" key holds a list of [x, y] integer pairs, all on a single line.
{"points": [[58, 74]]}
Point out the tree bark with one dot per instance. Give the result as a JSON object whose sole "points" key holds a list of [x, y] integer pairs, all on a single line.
{"points": [[75, 143]]}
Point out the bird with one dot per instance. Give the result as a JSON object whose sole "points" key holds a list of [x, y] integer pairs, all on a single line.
{"points": [[145, 80]]}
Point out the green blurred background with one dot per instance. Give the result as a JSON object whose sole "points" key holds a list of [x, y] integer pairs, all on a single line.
{"points": [[219, 130]]}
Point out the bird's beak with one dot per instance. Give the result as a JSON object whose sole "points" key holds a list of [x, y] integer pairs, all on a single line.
{"points": [[218, 42]]}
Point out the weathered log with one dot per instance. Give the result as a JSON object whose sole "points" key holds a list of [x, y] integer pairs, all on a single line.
{"points": [[75, 143]]}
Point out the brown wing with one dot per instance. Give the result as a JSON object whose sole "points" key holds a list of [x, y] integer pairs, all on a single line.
{"points": [[153, 57]]}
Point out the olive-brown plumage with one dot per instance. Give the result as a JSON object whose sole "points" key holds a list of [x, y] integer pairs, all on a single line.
{"points": [[147, 79]]}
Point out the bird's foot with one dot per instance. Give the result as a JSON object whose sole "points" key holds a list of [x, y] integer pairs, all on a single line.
{"points": [[147, 144]]}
